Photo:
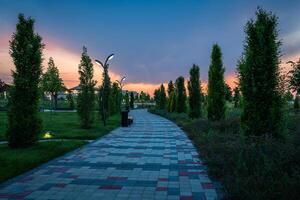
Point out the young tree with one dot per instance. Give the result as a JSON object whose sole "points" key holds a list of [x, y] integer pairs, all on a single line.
{"points": [[70, 100], [86, 96], [194, 87], [294, 80], [162, 97], [115, 99], [216, 86], [180, 95], [228, 93], [157, 97], [51, 82], [127, 100], [171, 91], [296, 102], [131, 100], [236, 97], [24, 123], [104, 95], [259, 77]]}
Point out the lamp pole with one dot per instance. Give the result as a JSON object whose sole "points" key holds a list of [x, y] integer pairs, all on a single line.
{"points": [[121, 87], [104, 95]]}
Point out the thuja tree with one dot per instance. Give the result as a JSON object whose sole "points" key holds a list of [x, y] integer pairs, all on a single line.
{"points": [[171, 99], [180, 95], [86, 96], [131, 100], [194, 87], [259, 77], [294, 81], [162, 97], [236, 97], [115, 99], [228, 93], [24, 123], [51, 82], [216, 86], [157, 97], [126, 98]]}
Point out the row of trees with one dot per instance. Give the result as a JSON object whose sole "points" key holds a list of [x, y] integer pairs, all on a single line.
{"points": [[261, 92], [179, 102], [26, 50]]}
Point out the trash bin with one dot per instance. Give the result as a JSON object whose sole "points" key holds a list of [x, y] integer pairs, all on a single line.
{"points": [[124, 117]]}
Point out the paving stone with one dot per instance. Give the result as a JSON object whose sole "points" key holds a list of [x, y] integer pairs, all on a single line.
{"points": [[151, 159]]}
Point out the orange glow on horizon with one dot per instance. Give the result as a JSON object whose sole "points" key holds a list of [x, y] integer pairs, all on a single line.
{"points": [[67, 62]]}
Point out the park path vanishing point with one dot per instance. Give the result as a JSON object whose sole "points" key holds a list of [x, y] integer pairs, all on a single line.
{"points": [[151, 159]]}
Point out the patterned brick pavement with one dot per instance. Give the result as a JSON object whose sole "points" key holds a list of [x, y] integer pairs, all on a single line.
{"points": [[152, 159]]}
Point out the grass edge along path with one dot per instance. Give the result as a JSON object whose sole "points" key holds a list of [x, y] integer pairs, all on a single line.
{"points": [[247, 167], [17, 161]]}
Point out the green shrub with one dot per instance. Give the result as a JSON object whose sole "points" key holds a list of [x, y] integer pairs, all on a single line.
{"points": [[249, 167]]}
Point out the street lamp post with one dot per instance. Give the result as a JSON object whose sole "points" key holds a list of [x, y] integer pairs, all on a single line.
{"points": [[104, 89], [121, 87]]}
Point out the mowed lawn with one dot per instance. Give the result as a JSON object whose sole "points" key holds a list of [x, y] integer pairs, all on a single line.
{"points": [[63, 125], [66, 125], [16, 161]]}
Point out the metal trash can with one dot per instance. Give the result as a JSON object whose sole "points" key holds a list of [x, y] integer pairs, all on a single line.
{"points": [[124, 118]]}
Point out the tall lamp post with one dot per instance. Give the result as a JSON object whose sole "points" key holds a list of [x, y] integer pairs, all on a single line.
{"points": [[105, 86], [121, 87]]}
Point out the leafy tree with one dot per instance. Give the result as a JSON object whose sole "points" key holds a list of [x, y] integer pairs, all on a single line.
{"points": [[126, 100], [228, 93], [70, 100], [180, 95], [144, 97], [294, 76], [162, 97], [288, 96], [24, 123], [294, 81], [2, 86], [296, 102], [86, 96], [194, 87], [259, 77], [236, 97], [115, 99], [157, 97], [171, 92], [51, 82], [131, 100], [216, 86]]}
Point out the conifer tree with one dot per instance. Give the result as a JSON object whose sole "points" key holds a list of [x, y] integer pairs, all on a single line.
{"points": [[236, 97], [228, 93], [51, 81], [171, 91], [24, 123], [70, 100], [127, 100], [194, 87], [157, 97], [115, 99], [162, 97], [86, 96], [180, 95], [259, 77], [294, 81], [216, 86], [131, 100]]}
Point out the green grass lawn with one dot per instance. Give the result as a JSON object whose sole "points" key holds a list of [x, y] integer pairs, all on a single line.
{"points": [[66, 125], [16, 161]]}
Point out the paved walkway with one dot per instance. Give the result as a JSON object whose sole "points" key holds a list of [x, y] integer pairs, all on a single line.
{"points": [[152, 159]]}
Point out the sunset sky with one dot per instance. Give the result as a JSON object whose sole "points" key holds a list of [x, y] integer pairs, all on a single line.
{"points": [[154, 41]]}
